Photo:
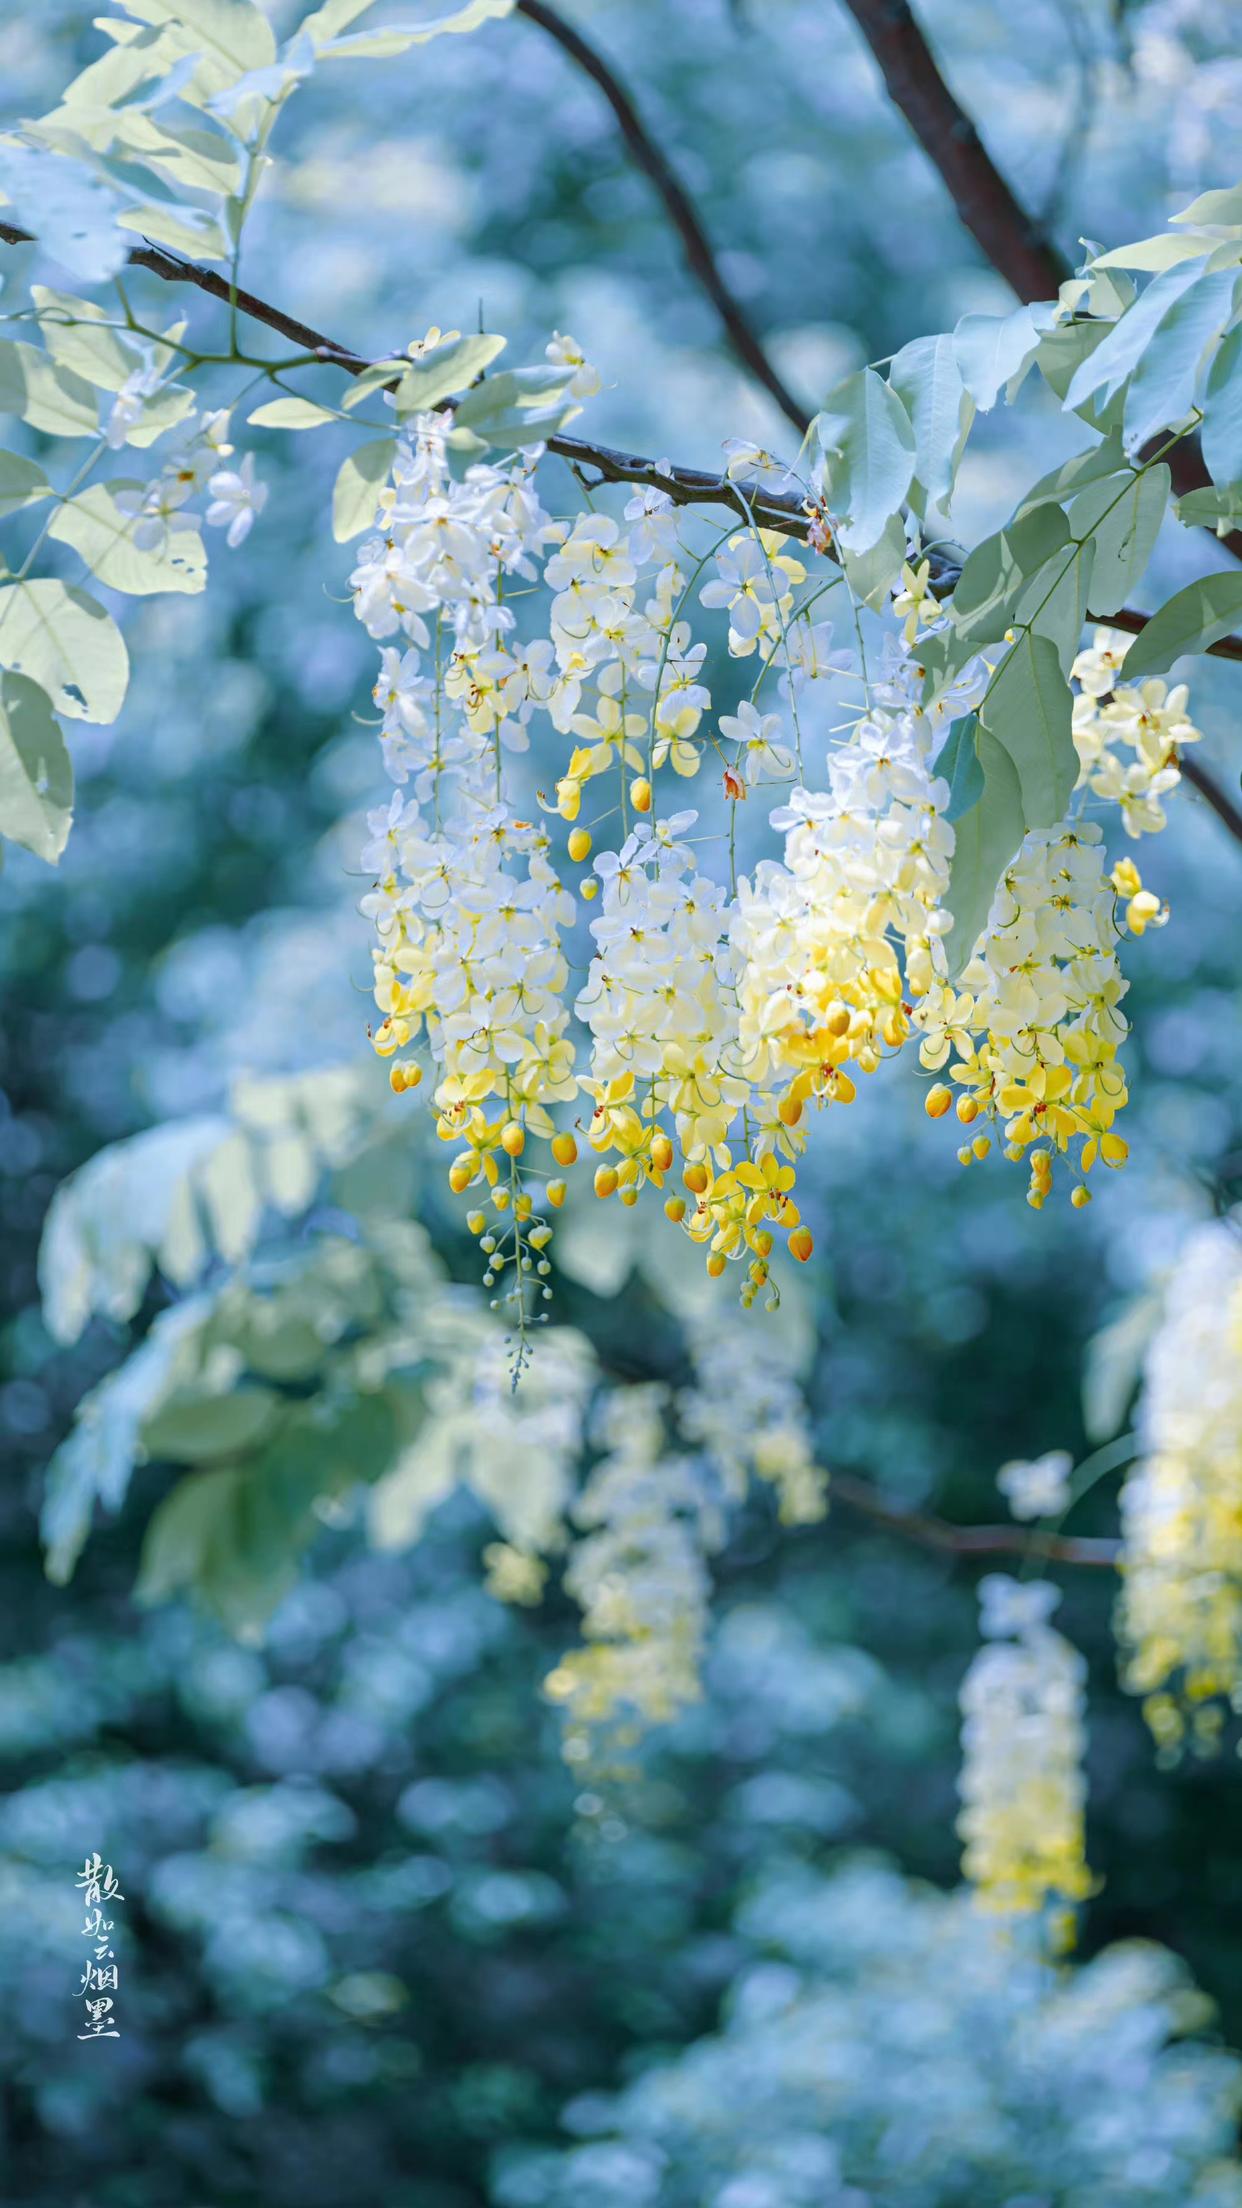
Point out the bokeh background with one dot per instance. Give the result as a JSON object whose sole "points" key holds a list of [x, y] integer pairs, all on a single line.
{"points": [[375, 1945]]}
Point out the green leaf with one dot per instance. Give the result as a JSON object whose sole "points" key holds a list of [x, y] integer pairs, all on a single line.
{"points": [[49, 398], [193, 1427], [291, 414], [200, 238], [957, 763], [1198, 616], [1165, 250], [1211, 509], [66, 643], [192, 160], [986, 838], [926, 377], [1113, 1365], [1123, 529], [995, 350], [1163, 387], [384, 44], [22, 483], [234, 33], [355, 496], [998, 571], [449, 367], [71, 210], [97, 527], [872, 574], [1118, 353], [77, 336], [1054, 604], [1222, 413], [512, 392], [1028, 710], [867, 440], [1219, 210], [36, 777]]}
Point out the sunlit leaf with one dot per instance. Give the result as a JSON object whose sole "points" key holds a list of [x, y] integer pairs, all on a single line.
{"points": [[355, 496], [36, 776], [1198, 616], [66, 643]]}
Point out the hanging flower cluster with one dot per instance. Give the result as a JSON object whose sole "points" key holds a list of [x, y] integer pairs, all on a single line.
{"points": [[1181, 1606], [710, 1019], [638, 1573], [1022, 1785]]}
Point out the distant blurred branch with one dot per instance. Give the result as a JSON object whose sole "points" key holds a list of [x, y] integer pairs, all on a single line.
{"points": [[982, 1541], [1013, 241], [651, 158]]}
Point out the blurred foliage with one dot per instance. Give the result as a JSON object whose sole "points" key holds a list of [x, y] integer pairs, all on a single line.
{"points": [[376, 1936]]}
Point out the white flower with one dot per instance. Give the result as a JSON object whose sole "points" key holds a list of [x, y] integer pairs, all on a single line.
{"points": [[1039, 1488], [1012, 1608], [235, 500], [565, 352], [760, 754], [129, 405], [746, 458]]}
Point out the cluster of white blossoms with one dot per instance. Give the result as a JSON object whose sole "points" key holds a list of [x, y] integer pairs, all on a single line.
{"points": [[1022, 1786], [749, 1414], [1128, 735], [1181, 1607], [637, 1571], [712, 1017], [201, 460]]}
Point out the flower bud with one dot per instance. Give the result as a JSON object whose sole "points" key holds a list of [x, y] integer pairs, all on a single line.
{"points": [[695, 1178], [605, 1179], [938, 1101], [640, 794], [580, 845], [675, 1209], [513, 1139], [801, 1244], [564, 1149], [557, 1192]]}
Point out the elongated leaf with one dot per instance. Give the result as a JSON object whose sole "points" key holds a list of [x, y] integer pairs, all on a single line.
{"points": [[1198, 616], [1028, 711], [36, 777], [928, 381], [957, 763], [291, 414], [71, 211], [1119, 352], [1222, 412], [999, 570], [449, 367], [868, 446], [995, 350], [78, 336], [986, 837], [1123, 529], [1220, 209], [49, 398], [98, 528], [185, 231], [197, 1427], [1163, 388], [66, 643], [22, 483], [382, 45], [234, 33], [1054, 604], [510, 392], [873, 574], [1165, 250], [355, 497], [1220, 510]]}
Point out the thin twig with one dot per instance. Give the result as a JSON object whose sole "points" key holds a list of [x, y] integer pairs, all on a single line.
{"points": [[930, 1532], [682, 213]]}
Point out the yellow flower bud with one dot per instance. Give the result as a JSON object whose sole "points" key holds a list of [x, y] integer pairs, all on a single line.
{"points": [[640, 794], [716, 1264], [938, 1101], [590, 891], [461, 1173], [557, 1192], [580, 845], [476, 1221], [967, 1110], [605, 1179], [523, 1207], [661, 1151], [500, 1198], [564, 1149], [695, 1178], [789, 1110], [1080, 1197], [513, 1139], [539, 1237], [981, 1145], [838, 1020], [675, 1209], [801, 1244]]}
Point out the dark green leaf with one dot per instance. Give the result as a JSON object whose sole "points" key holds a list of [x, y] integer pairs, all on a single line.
{"points": [[1198, 616]]}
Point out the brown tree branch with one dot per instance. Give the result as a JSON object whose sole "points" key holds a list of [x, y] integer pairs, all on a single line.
{"points": [[930, 1532], [682, 213], [1015, 245]]}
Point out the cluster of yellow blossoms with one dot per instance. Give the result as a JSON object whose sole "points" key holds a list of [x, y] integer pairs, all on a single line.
{"points": [[1022, 1785], [711, 1019], [1181, 1506]]}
